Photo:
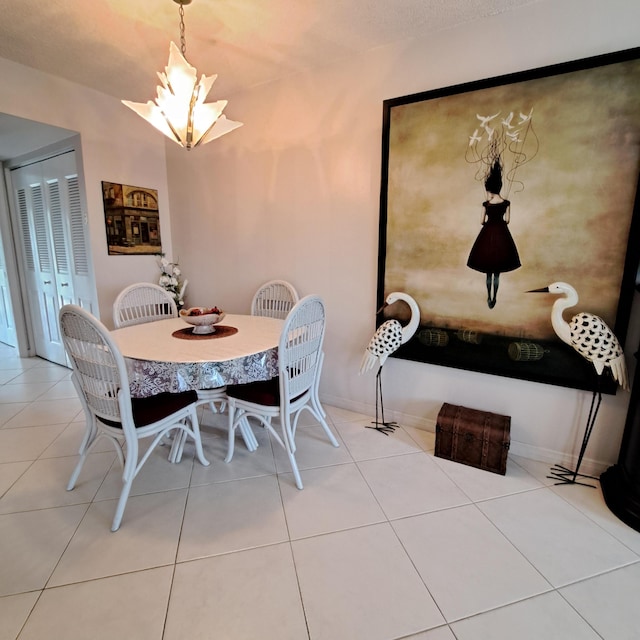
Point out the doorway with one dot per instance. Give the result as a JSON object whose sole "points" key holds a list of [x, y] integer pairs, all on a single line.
{"points": [[52, 247]]}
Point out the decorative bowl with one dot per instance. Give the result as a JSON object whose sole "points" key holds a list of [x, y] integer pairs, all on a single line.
{"points": [[202, 318]]}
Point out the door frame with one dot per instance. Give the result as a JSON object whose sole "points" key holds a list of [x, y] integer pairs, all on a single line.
{"points": [[21, 319], [13, 248], [7, 326]]}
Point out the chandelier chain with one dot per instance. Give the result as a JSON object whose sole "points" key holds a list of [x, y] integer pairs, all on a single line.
{"points": [[183, 40]]}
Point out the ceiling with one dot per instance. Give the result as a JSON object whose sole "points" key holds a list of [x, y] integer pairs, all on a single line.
{"points": [[117, 46]]}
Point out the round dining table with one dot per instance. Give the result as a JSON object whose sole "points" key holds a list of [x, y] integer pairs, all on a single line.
{"points": [[166, 355]]}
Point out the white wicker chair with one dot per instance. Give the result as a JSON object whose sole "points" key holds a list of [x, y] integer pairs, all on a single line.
{"points": [[100, 378], [274, 299], [294, 390], [143, 302], [146, 302]]}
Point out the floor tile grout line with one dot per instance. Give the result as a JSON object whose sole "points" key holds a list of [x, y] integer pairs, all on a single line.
{"points": [[594, 521], [169, 595], [509, 495], [602, 573], [589, 624], [503, 606], [564, 598], [411, 636], [177, 551], [551, 587], [502, 495], [66, 547], [99, 578], [417, 571], [75, 531], [31, 463], [295, 569], [31, 610], [32, 426], [562, 586], [598, 574], [513, 544]]}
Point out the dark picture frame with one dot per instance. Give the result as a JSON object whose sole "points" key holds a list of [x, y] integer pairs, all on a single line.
{"points": [[131, 219], [567, 141]]}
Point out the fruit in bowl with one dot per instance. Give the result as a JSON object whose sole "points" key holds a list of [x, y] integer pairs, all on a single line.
{"points": [[202, 318]]}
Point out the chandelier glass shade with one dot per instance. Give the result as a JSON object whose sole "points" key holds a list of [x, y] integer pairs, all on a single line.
{"points": [[180, 110]]}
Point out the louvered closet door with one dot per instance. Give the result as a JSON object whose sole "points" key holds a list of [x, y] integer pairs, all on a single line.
{"points": [[54, 249], [56, 173]]}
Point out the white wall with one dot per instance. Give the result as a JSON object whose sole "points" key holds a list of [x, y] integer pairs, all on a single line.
{"points": [[295, 194], [117, 146]]}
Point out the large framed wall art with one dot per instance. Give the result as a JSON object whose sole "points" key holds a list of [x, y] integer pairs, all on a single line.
{"points": [[494, 188]]}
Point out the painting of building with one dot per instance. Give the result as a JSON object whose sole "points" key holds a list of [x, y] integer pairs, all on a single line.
{"points": [[131, 218]]}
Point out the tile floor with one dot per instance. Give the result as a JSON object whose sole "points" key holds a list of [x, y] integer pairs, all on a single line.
{"points": [[385, 542]]}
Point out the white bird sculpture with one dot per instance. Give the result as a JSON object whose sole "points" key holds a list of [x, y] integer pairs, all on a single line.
{"points": [[385, 341], [590, 336]]}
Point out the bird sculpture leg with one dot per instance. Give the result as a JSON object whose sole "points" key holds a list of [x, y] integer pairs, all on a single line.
{"points": [[383, 427], [566, 476]]}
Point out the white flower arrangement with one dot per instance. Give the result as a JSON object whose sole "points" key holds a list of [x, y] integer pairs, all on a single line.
{"points": [[170, 280]]}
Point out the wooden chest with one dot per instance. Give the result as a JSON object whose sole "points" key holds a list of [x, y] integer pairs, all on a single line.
{"points": [[477, 438]]}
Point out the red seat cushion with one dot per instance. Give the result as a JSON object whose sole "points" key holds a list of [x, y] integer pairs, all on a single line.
{"points": [[149, 410]]}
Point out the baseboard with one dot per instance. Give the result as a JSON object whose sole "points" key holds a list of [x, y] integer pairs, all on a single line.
{"points": [[588, 466]]}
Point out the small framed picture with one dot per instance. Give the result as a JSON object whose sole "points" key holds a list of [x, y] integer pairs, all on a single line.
{"points": [[132, 219]]}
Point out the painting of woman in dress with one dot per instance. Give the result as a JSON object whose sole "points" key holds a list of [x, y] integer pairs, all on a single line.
{"points": [[494, 143], [494, 251]]}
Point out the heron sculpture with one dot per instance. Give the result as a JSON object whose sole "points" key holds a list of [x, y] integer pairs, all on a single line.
{"points": [[385, 341], [590, 336]]}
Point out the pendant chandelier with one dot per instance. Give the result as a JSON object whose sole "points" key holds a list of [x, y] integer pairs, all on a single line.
{"points": [[180, 111]]}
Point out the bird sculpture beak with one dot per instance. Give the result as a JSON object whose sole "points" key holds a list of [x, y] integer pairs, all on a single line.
{"points": [[382, 308], [543, 290]]}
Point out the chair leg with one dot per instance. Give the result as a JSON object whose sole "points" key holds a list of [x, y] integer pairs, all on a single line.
{"points": [[89, 433], [214, 409], [242, 423], [195, 427], [327, 430], [180, 439], [294, 468], [76, 472], [85, 449], [315, 399], [177, 446], [122, 503], [131, 468], [247, 434], [231, 433], [289, 446], [323, 423], [90, 436]]}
